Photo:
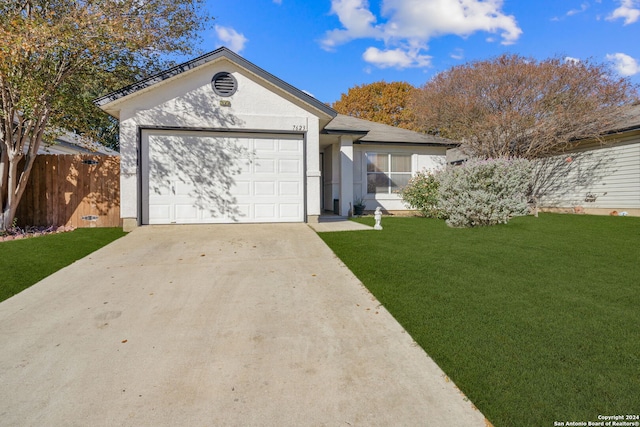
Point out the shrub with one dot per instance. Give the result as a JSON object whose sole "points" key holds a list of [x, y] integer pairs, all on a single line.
{"points": [[484, 192], [421, 193]]}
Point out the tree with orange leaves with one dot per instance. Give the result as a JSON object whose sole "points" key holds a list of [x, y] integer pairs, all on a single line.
{"points": [[380, 102]]}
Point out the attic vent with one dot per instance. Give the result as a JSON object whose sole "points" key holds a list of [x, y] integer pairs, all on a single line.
{"points": [[224, 84]]}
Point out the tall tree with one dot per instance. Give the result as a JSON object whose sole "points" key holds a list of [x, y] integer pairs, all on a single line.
{"points": [[512, 106], [380, 102], [57, 55]]}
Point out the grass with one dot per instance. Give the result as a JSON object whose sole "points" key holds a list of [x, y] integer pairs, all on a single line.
{"points": [[535, 321], [27, 261]]}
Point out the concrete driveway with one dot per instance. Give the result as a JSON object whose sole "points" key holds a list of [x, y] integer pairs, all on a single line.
{"points": [[244, 325]]}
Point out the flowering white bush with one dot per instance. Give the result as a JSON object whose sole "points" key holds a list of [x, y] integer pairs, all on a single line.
{"points": [[484, 192], [421, 193]]}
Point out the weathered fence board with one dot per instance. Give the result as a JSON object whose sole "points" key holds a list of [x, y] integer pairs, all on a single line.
{"points": [[72, 191]]}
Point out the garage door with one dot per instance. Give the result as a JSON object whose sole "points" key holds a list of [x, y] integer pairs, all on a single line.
{"points": [[205, 177]]}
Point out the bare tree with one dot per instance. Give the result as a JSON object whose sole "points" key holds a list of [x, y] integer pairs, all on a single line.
{"points": [[512, 106]]}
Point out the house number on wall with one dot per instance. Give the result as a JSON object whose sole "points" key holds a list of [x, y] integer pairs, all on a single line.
{"points": [[299, 127], [225, 103]]}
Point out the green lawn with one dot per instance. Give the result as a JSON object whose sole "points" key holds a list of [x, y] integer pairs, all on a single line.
{"points": [[27, 261], [535, 321]]}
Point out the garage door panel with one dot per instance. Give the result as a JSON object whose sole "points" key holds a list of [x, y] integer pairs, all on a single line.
{"points": [[242, 143], [161, 190], [160, 184], [265, 211], [289, 210], [187, 212], [265, 166], [289, 166], [244, 210], [244, 167], [242, 188], [265, 146], [199, 177], [160, 214], [186, 189], [289, 188], [289, 146], [264, 188]]}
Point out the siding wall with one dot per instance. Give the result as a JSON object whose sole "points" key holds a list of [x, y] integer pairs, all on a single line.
{"points": [[595, 177]]}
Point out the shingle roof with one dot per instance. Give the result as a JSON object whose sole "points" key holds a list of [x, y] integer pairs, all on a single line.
{"points": [[373, 132], [630, 120]]}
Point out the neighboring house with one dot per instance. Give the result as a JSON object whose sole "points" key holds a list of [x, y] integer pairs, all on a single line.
{"points": [[70, 143], [598, 178], [218, 139]]}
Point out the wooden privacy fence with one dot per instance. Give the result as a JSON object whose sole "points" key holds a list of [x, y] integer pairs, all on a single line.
{"points": [[73, 191]]}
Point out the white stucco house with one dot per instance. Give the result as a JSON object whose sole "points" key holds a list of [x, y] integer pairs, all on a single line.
{"points": [[218, 139]]}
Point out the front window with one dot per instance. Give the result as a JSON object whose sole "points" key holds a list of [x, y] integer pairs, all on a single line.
{"points": [[387, 173]]}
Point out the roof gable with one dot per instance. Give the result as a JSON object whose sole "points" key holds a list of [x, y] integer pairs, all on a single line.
{"points": [[222, 53]]}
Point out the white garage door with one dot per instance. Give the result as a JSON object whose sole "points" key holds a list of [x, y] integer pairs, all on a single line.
{"points": [[203, 177]]}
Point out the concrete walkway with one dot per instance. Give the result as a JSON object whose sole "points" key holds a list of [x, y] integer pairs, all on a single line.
{"points": [[331, 223], [225, 325]]}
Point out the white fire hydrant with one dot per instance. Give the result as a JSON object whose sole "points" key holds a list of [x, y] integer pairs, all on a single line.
{"points": [[377, 215]]}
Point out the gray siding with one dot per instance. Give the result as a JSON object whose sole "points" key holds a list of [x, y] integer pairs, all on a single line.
{"points": [[606, 177]]}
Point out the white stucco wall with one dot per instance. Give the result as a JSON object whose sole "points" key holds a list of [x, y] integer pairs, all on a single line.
{"points": [[422, 158], [331, 175], [188, 101]]}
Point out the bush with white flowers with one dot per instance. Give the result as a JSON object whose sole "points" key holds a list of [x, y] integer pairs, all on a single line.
{"points": [[484, 192]]}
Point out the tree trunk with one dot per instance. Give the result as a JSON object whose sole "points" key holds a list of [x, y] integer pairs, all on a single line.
{"points": [[16, 186], [4, 174], [9, 207], [16, 182]]}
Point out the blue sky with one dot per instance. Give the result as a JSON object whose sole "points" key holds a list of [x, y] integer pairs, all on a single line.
{"points": [[325, 47]]}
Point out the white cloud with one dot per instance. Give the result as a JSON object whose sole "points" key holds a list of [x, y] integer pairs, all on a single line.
{"points": [[629, 10], [424, 19], [406, 26], [277, 1], [583, 8], [457, 54], [624, 64], [231, 38], [571, 59], [397, 58], [357, 20]]}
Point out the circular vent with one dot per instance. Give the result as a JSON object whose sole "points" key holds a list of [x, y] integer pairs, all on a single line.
{"points": [[224, 84]]}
